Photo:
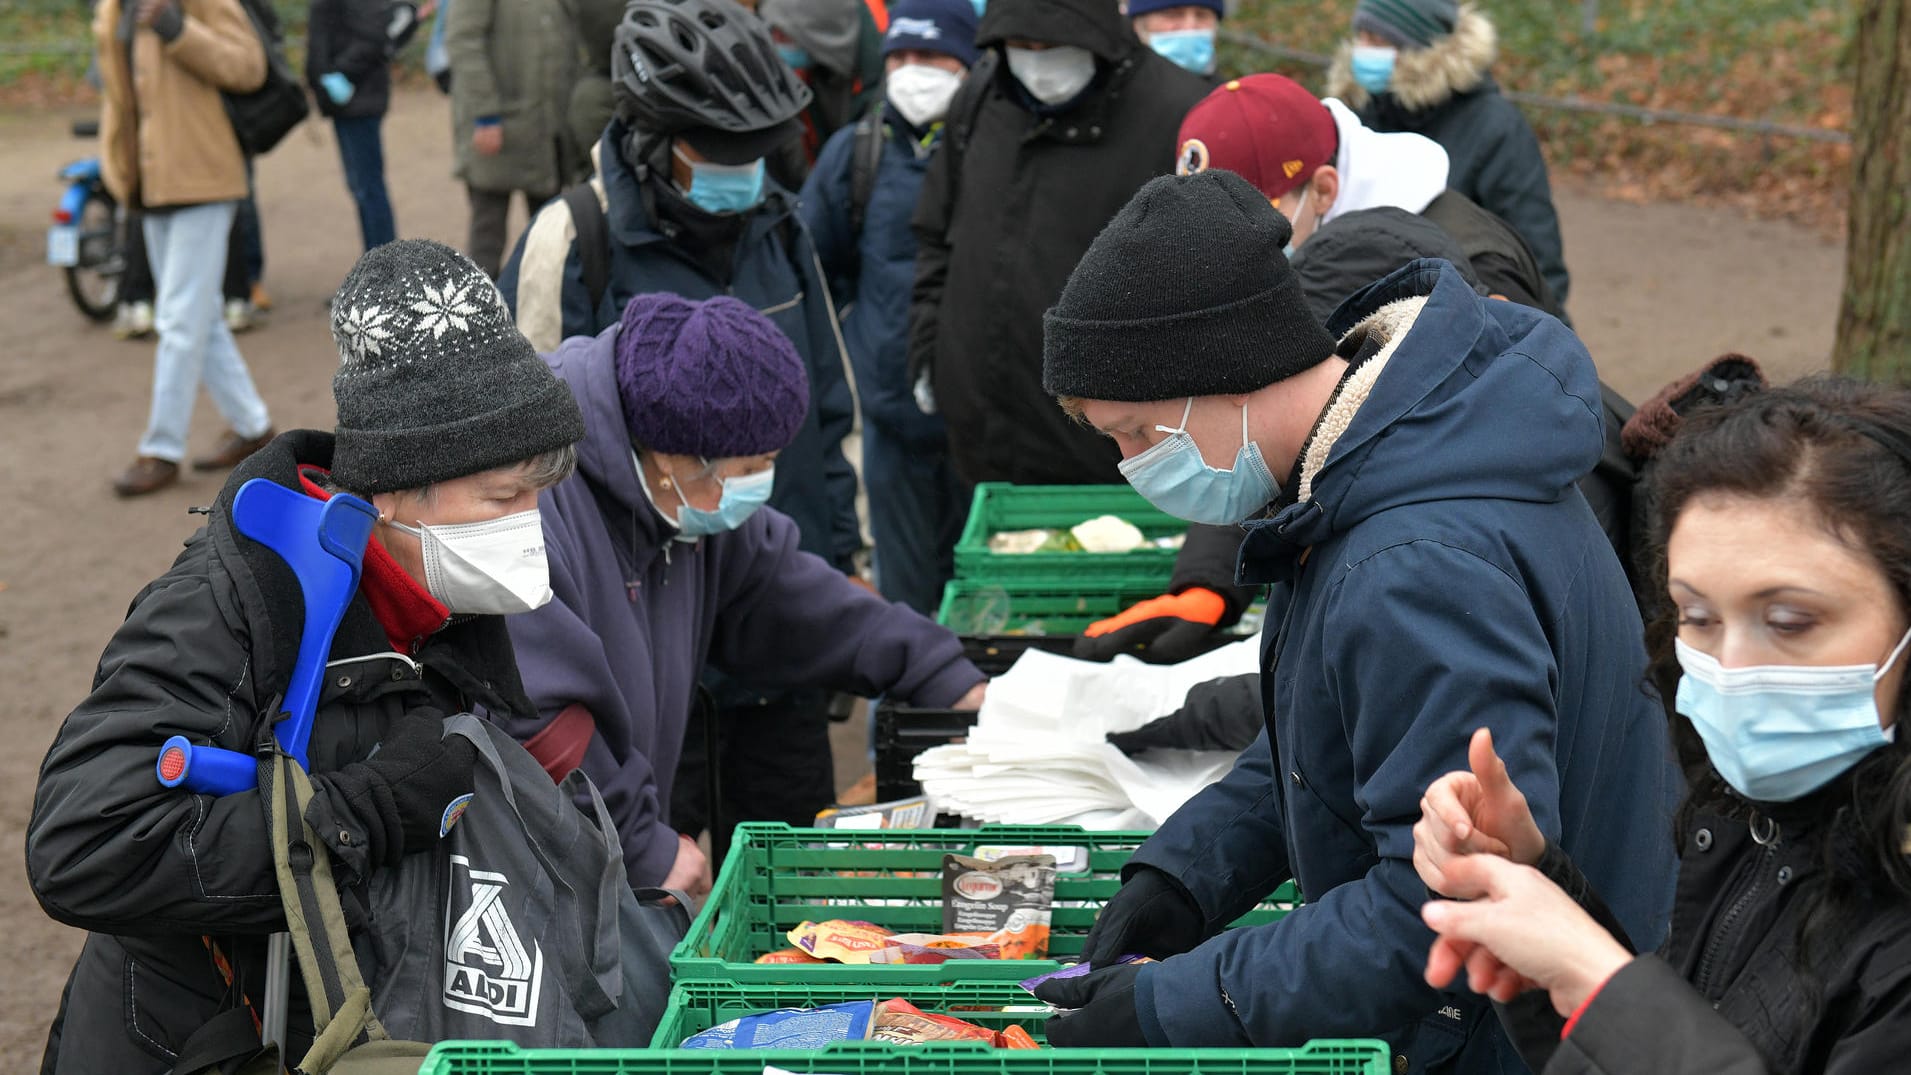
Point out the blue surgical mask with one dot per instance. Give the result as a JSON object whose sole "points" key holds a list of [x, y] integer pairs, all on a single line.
{"points": [[1288, 250], [1192, 49], [1373, 67], [979, 5], [723, 188], [1780, 732], [741, 497], [796, 56], [1173, 477]]}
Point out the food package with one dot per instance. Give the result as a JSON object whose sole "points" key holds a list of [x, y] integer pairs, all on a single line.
{"points": [[1017, 1038], [791, 1028], [1011, 900], [839, 940], [932, 948], [1022, 542], [1108, 533], [789, 955], [899, 1022], [912, 813]]}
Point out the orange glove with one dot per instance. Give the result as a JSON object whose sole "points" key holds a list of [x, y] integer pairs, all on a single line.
{"points": [[1161, 630]]}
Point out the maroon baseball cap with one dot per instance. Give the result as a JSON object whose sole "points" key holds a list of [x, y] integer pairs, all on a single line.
{"points": [[1267, 129]]}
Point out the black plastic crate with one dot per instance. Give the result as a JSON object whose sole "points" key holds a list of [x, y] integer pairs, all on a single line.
{"points": [[902, 732]]}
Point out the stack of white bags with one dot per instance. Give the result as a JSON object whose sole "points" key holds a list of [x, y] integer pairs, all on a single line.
{"points": [[1038, 754]]}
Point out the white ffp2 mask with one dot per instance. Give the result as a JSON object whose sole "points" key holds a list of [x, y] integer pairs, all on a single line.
{"points": [[496, 567], [1052, 76]]}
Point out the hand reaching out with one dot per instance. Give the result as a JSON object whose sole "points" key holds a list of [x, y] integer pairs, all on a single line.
{"points": [[1521, 932], [1479, 812]]}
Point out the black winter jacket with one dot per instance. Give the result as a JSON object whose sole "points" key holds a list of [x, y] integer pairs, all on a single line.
{"points": [[1444, 91], [205, 652], [349, 37], [1724, 996], [1012, 199]]}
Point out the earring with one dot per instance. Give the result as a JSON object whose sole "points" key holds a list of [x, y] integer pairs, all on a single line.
{"points": [[666, 482]]}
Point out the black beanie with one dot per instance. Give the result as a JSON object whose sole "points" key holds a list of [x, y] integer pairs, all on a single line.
{"points": [[434, 379], [1185, 293]]}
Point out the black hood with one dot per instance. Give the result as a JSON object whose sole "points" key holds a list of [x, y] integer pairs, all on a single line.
{"points": [[1096, 25], [1352, 251]]}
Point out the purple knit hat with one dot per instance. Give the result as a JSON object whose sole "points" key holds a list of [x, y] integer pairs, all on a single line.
{"points": [[714, 379]]}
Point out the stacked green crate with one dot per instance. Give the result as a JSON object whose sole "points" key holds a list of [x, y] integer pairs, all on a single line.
{"points": [[1001, 507], [862, 1058], [777, 877]]}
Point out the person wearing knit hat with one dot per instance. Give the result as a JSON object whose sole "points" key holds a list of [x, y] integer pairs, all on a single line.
{"points": [[664, 559], [451, 426], [1182, 32], [688, 203], [1408, 493], [858, 202], [1425, 66]]}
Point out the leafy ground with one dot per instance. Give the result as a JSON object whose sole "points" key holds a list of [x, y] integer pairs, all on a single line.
{"points": [[1782, 61]]}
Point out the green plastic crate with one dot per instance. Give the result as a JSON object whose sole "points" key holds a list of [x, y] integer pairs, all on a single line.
{"points": [[1032, 606], [1001, 506], [1356, 1057], [777, 877], [696, 1006]]}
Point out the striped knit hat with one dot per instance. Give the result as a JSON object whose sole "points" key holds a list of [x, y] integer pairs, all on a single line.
{"points": [[1410, 24]]}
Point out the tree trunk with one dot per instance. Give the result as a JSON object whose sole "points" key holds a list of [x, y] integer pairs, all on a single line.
{"points": [[1874, 326]]}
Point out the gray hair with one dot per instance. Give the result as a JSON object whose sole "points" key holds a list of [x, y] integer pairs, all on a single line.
{"points": [[541, 471]]}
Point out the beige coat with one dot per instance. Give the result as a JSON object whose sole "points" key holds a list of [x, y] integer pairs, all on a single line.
{"points": [[164, 135]]}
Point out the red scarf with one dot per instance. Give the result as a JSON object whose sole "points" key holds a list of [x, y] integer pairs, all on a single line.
{"points": [[404, 608]]}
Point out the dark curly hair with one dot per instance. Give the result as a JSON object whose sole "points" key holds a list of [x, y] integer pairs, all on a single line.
{"points": [[1841, 448]]}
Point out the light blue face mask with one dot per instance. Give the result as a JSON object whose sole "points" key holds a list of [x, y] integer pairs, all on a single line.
{"points": [[1191, 49], [979, 5], [796, 56], [1373, 67], [723, 188], [1173, 477], [1780, 732], [741, 497]]}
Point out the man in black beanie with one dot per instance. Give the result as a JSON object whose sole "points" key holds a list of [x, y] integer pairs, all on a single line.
{"points": [[449, 424], [1408, 495]]}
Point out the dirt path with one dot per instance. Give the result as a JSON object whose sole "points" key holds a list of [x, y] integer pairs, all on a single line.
{"points": [[1656, 289]]}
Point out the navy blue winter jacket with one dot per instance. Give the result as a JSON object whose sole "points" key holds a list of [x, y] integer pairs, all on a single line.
{"points": [[1433, 570], [874, 273], [774, 269]]}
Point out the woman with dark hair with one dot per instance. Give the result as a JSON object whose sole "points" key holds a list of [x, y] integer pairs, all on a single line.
{"points": [[1784, 538]]}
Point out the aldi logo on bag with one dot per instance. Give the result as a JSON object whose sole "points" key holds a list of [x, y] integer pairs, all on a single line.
{"points": [[487, 970]]}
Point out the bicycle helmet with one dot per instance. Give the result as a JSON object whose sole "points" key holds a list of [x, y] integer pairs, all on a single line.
{"points": [[706, 70]]}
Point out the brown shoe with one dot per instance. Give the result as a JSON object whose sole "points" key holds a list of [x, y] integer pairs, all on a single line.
{"points": [[146, 475], [232, 450]]}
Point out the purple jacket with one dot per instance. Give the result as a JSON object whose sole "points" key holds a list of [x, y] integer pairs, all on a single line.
{"points": [[637, 613]]}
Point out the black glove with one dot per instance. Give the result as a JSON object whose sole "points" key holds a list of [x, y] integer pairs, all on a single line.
{"points": [[1162, 630], [1105, 1015], [394, 801], [1152, 915], [1221, 714]]}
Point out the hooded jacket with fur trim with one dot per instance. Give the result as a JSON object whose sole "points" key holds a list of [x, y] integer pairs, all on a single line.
{"points": [[1446, 92], [1432, 571]]}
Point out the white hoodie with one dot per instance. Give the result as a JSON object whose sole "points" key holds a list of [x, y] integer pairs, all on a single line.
{"points": [[1403, 170]]}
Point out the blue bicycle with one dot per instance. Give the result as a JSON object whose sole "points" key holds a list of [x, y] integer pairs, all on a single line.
{"points": [[86, 239]]}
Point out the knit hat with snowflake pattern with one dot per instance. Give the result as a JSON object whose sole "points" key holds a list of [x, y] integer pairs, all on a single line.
{"points": [[434, 379], [714, 379]]}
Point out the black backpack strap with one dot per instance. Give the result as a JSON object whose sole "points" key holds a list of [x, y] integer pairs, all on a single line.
{"points": [[865, 159], [227, 1042], [593, 240]]}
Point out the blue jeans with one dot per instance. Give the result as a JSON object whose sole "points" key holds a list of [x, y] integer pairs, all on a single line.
{"points": [[917, 507], [187, 250], [364, 158]]}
